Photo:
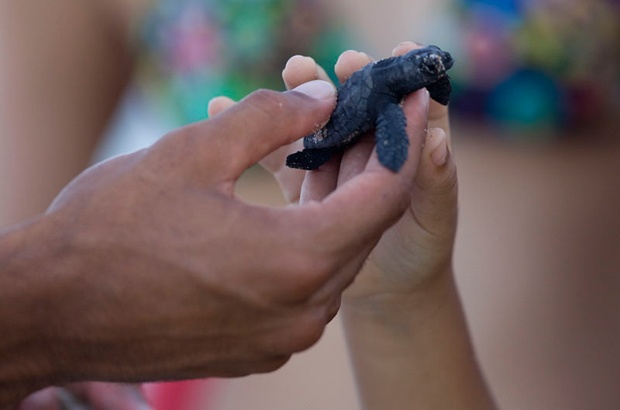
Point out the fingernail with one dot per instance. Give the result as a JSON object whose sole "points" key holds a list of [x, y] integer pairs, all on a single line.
{"points": [[317, 89], [438, 144], [405, 47], [296, 59]]}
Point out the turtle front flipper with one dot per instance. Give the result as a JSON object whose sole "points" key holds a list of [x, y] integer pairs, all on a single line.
{"points": [[309, 158], [440, 91], [391, 137]]}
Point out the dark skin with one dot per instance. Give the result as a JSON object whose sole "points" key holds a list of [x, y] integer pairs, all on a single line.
{"points": [[60, 89]]}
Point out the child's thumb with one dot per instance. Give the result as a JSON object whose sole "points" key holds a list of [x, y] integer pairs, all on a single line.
{"points": [[436, 198]]}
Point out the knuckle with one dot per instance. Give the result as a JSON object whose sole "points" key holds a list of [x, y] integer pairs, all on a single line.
{"points": [[272, 364], [267, 102], [263, 95], [332, 309], [287, 113], [302, 329], [309, 331], [446, 184], [183, 148]]}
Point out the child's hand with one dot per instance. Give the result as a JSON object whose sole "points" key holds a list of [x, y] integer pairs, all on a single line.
{"points": [[420, 245], [403, 324]]}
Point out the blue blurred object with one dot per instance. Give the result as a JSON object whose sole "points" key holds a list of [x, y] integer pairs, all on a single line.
{"points": [[512, 7], [527, 100], [537, 65]]}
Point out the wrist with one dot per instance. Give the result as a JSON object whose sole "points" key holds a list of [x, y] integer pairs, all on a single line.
{"points": [[422, 335], [403, 303], [31, 256]]}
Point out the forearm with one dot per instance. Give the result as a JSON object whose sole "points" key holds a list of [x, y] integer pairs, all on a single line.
{"points": [[27, 255], [415, 352], [64, 65]]}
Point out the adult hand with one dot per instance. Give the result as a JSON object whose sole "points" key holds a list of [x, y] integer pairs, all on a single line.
{"points": [[155, 270]]}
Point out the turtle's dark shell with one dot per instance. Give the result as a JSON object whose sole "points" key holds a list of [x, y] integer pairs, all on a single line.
{"points": [[371, 99]]}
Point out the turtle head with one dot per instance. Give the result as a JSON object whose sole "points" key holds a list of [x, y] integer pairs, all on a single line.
{"points": [[422, 67], [434, 62], [419, 68]]}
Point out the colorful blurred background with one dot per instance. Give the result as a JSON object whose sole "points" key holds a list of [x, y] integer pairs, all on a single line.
{"points": [[201, 49], [544, 66], [527, 65]]}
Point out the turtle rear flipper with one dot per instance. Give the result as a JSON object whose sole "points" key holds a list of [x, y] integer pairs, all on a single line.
{"points": [[309, 159], [391, 137]]}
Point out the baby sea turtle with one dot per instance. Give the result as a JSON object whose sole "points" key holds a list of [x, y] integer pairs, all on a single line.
{"points": [[371, 99]]}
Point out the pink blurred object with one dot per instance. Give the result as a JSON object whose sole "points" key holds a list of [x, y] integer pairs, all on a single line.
{"points": [[182, 395]]}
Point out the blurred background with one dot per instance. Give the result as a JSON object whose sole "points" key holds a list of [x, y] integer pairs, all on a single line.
{"points": [[534, 68], [536, 136]]}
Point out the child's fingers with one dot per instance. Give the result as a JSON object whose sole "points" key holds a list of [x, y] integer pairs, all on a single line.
{"points": [[349, 62], [437, 168], [436, 192], [320, 182], [298, 70], [376, 187], [356, 157], [438, 149], [301, 69], [405, 47]]}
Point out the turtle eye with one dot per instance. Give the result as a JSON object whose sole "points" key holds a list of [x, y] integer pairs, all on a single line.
{"points": [[432, 68]]}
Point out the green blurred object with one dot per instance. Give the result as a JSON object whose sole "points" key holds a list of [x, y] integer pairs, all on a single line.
{"points": [[199, 49]]}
